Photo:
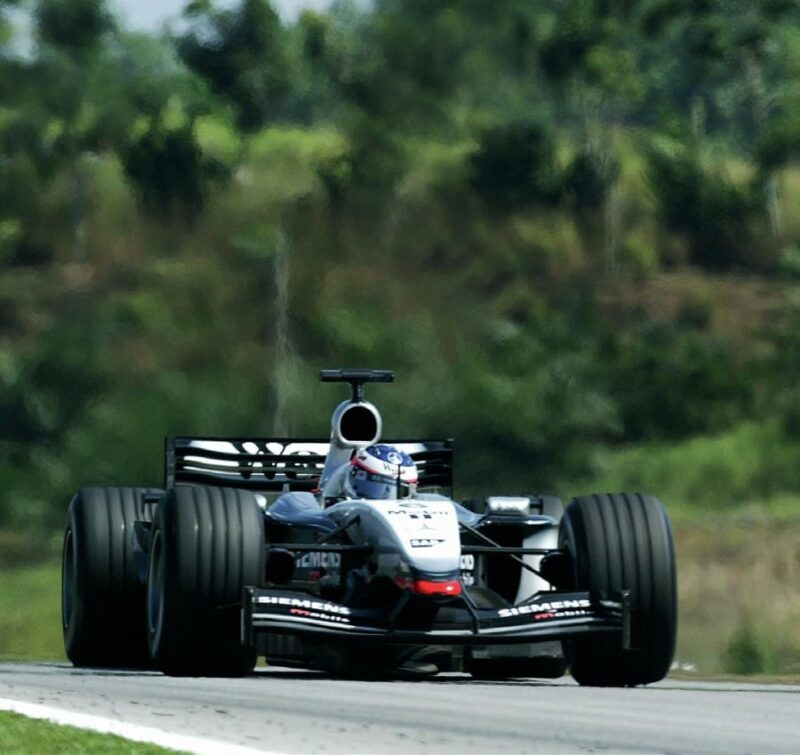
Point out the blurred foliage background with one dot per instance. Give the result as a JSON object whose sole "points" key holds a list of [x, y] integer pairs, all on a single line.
{"points": [[572, 228]]}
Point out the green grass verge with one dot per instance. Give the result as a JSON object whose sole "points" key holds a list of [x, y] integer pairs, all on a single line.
{"points": [[20, 734], [30, 613], [739, 606], [749, 472]]}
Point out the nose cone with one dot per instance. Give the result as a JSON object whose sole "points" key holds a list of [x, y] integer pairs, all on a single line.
{"points": [[424, 533]]}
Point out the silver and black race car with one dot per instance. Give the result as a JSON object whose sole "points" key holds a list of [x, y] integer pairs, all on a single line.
{"points": [[350, 555]]}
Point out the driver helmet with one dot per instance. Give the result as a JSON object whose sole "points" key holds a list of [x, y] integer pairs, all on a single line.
{"points": [[381, 472]]}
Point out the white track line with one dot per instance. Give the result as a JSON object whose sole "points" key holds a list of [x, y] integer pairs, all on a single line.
{"points": [[184, 742]]}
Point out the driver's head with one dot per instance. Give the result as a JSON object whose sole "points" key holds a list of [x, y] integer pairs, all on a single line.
{"points": [[382, 472]]}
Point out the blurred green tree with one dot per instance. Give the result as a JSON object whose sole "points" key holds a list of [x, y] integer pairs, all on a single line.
{"points": [[514, 167], [591, 58], [700, 202], [241, 55], [726, 68], [169, 170], [74, 26]]}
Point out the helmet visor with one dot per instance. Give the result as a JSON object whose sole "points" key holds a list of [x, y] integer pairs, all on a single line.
{"points": [[379, 487]]}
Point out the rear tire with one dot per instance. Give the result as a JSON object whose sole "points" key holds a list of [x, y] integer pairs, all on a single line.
{"points": [[102, 601], [207, 544], [624, 542]]}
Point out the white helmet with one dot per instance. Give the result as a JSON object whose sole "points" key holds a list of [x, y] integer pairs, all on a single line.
{"points": [[381, 472]]}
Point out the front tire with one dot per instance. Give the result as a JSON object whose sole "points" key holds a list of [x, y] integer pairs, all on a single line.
{"points": [[102, 601], [207, 544], [624, 542]]}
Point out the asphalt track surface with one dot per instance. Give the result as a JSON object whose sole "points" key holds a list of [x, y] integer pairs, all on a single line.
{"points": [[287, 711]]}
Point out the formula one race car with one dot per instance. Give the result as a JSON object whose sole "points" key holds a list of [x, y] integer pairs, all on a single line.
{"points": [[351, 556]]}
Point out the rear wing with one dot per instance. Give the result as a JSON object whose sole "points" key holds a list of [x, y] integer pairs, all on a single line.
{"points": [[281, 464]]}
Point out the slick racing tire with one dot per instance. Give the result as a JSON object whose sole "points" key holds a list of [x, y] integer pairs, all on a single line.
{"points": [[102, 602], [624, 542], [207, 544]]}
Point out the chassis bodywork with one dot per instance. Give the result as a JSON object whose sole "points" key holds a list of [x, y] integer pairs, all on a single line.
{"points": [[414, 577]]}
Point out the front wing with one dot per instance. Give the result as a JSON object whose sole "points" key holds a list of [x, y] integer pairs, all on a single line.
{"points": [[416, 620]]}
